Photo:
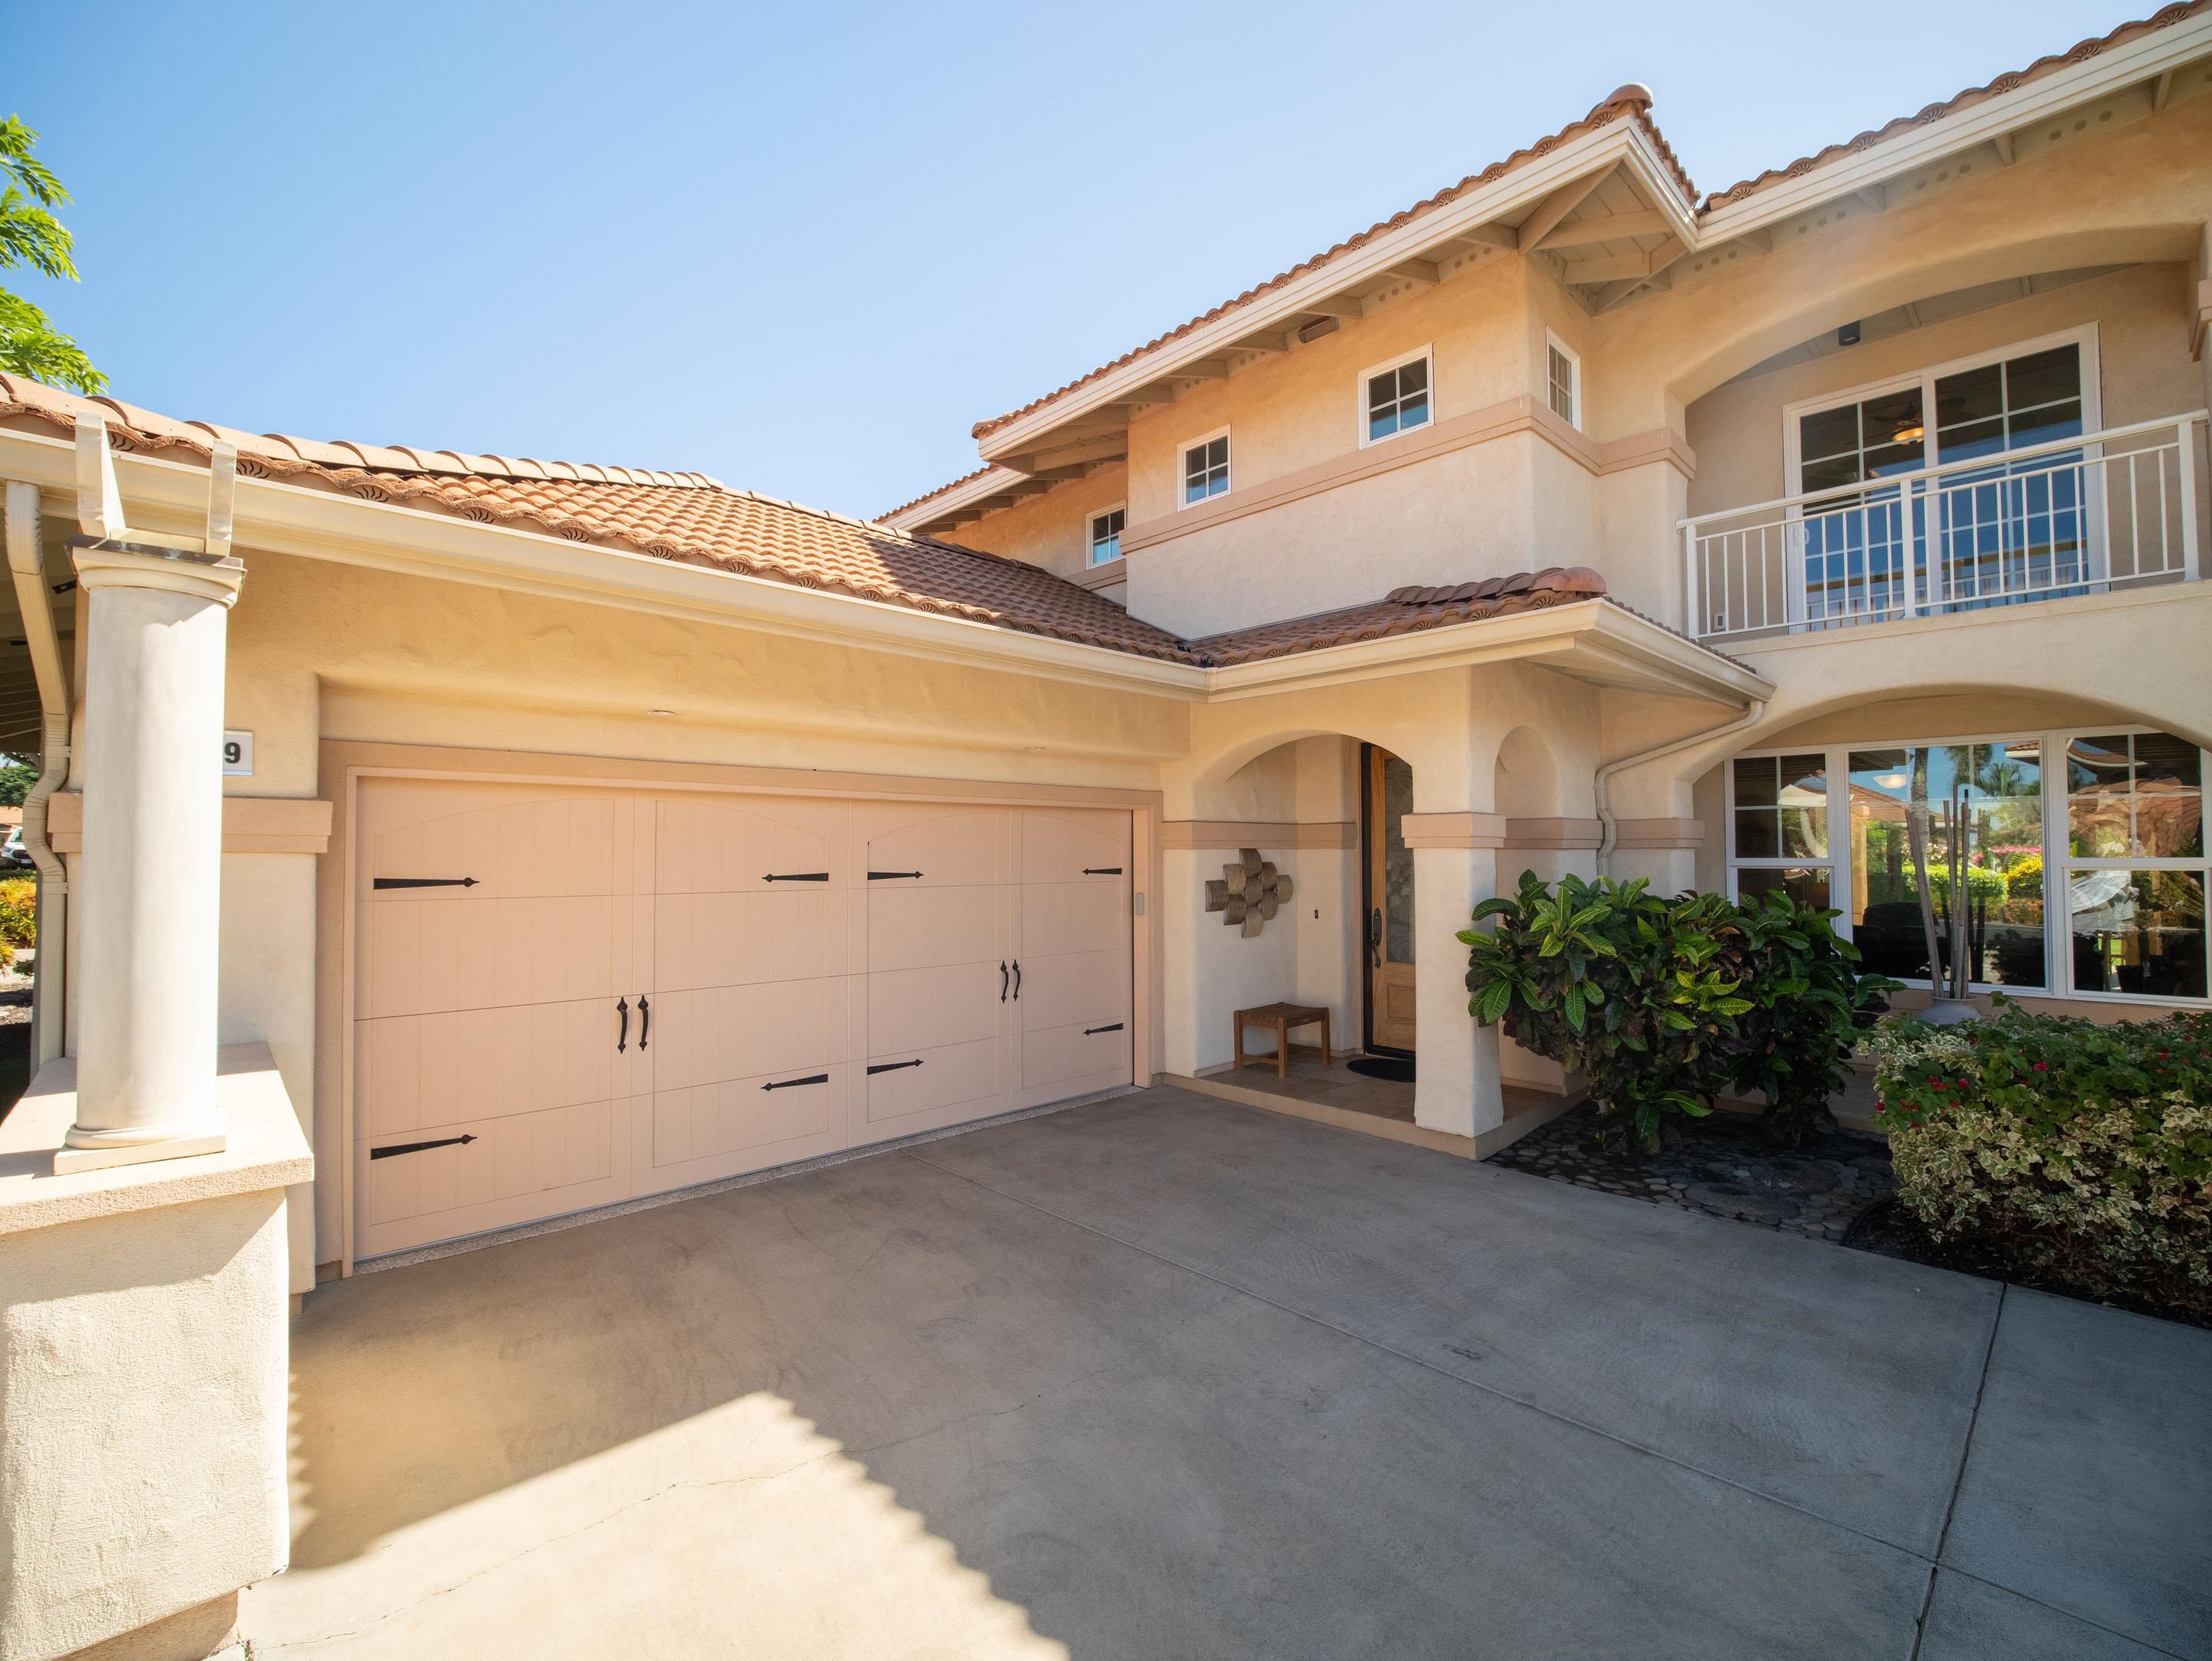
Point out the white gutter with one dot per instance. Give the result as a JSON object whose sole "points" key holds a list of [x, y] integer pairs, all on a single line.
{"points": [[48, 1011], [1749, 718]]}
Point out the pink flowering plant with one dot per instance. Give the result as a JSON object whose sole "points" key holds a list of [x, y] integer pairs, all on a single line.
{"points": [[2083, 1150]]}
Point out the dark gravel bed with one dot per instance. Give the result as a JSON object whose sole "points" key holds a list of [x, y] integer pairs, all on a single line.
{"points": [[1722, 1167]]}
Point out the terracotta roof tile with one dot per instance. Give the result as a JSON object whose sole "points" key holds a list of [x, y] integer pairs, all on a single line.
{"points": [[1403, 612], [685, 517], [2081, 52], [1630, 102]]}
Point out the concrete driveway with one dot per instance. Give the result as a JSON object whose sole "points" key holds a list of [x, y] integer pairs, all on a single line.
{"points": [[1164, 1377]]}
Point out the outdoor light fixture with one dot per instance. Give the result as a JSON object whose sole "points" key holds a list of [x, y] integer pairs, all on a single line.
{"points": [[1848, 335]]}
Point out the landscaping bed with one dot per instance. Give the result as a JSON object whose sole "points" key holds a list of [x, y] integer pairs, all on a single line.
{"points": [[1722, 1165]]}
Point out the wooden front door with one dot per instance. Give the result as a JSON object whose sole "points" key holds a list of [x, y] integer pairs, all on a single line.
{"points": [[1389, 940]]}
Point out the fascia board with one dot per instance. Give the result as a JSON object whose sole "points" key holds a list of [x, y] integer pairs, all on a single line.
{"points": [[2108, 71], [289, 519], [949, 501], [1523, 186]]}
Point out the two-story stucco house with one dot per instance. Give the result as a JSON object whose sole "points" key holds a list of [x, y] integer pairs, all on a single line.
{"points": [[589, 834]]}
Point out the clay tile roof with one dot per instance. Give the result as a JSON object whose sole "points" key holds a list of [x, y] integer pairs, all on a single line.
{"points": [[1632, 103], [2080, 52], [1403, 612], [686, 518]]}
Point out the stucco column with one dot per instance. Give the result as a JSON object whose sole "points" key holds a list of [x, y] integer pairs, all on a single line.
{"points": [[1456, 1083], [148, 909]]}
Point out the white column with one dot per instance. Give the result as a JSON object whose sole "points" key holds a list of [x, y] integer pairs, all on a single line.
{"points": [[148, 910], [1456, 1086]]}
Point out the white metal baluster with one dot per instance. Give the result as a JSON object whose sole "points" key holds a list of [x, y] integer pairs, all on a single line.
{"points": [[1906, 547], [2163, 542], [2186, 469]]}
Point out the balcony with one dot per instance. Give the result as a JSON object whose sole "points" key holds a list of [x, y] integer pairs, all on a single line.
{"points": [[2110, 509]]}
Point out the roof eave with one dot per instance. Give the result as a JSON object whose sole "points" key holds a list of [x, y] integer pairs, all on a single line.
{"points": [[1592, 640], [1985, 122], [1616, 142], [299, 521]]}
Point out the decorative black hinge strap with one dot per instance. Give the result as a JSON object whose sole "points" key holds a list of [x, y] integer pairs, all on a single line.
{"points": [[1102, 870], [424, 882], [789, 1083], [893, 1067], [877, 876], [797, 876], [1089, 1031], [416, 1147]]}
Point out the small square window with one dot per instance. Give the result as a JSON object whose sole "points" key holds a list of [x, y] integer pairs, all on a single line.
{"points": [[1106, 536], [1205, 470], [1398, 399]]}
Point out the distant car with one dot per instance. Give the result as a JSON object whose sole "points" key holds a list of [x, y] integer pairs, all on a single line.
{"points": [[12, 852]]}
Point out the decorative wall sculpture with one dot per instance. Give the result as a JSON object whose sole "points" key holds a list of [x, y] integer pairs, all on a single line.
{"points": [[1250, 892]]}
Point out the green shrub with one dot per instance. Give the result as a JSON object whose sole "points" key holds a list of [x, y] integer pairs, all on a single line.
{"points": [[2024, 878], [2083, 1153], [1810, 1009], [19, 914], [1664, 1003]]}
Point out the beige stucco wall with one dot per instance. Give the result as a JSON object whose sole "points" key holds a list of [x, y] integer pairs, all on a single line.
{"points": [[1052, 530], [2145, 373], [144, 1391]]}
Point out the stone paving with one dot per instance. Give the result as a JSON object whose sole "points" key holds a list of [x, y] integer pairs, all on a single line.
{"points": [[1721, 1167]]}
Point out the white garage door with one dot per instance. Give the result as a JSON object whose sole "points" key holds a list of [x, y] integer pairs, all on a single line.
{"points": [[566, 998]]}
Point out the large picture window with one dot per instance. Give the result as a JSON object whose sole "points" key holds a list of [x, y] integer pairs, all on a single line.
{"points": [[2084, 856]]}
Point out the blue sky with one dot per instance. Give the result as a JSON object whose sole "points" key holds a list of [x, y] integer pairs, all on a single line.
{"points": [[806, 248]]}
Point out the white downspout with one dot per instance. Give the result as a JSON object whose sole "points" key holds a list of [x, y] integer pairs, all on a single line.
{"points": [[26, 566], [1604, 786]]}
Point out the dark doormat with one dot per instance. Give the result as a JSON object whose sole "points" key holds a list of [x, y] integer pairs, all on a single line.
{"points": [[1393, 1069]]}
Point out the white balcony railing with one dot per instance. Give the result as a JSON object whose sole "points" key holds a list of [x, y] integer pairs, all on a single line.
{"points": [[2106, 510]]}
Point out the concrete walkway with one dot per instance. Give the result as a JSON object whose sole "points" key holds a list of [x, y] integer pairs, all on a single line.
{"points": [[1164, 1377]]}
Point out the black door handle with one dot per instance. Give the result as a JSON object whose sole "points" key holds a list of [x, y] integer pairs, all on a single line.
{"points": [[1002, 982], [1375, 936], [1017, 980], [644, 1021], [893, 1067], [622, 1009]]}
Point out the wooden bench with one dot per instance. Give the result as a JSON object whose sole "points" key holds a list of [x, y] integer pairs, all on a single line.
{"points": [[1280, 1019]]}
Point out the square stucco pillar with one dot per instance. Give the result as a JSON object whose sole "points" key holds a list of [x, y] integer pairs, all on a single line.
{"points": [[144, 1349], [1457, 1088]]}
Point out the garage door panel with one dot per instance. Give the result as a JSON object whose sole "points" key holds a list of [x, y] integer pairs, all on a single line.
{"points": [[421, 956], [1075, 988], [741, 1031], [1067, 1055], [1063, 845], [1073, 917], [704, 848], [535, 848], [908, 1008], [544, 1162], [734, 1115], [924, 927], [703, 940], [416, 1070], [949, 847], [953, 1075]]}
